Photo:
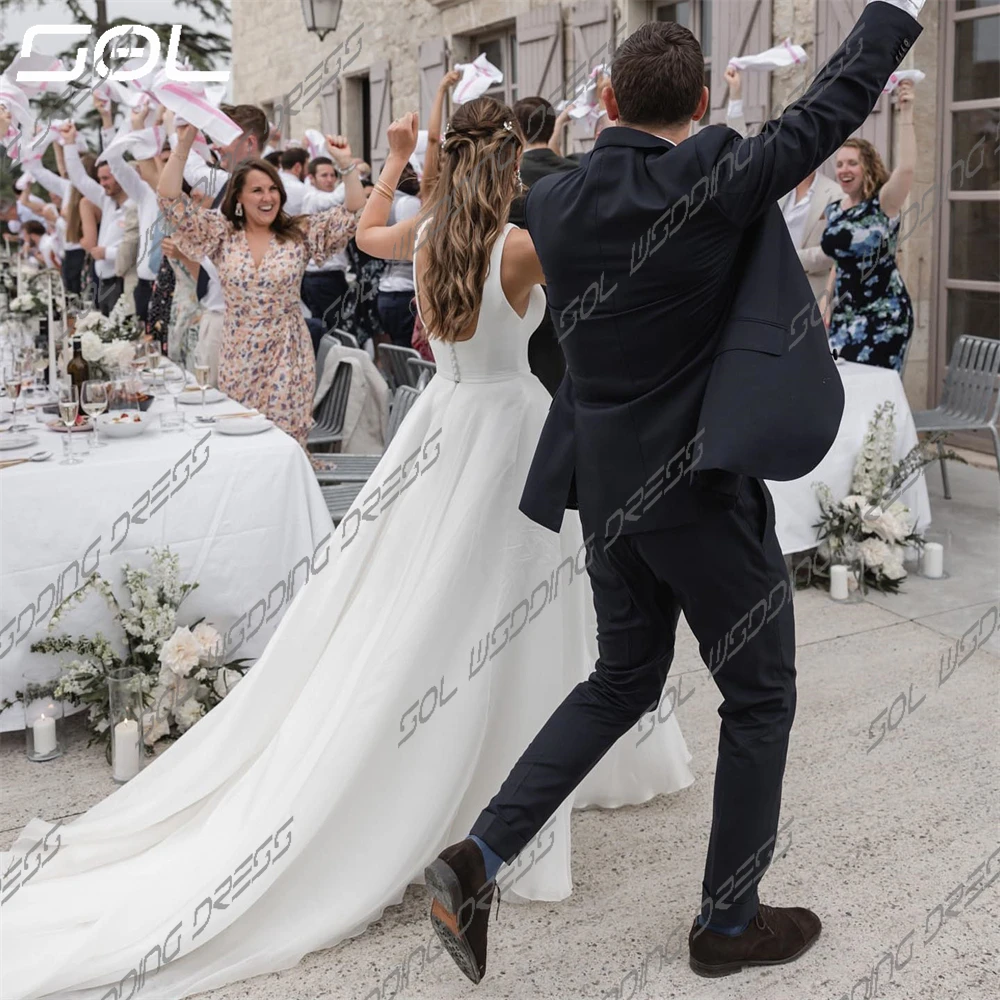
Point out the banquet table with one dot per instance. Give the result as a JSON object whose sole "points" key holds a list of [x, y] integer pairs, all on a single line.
{"points": [[796, 508], [244, 514]]}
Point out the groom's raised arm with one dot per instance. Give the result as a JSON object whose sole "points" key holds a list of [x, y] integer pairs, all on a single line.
{"points": [[751, 173]]}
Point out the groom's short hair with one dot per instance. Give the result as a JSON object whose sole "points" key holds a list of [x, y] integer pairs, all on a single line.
{"points": [[658, 74], [537, 118]]}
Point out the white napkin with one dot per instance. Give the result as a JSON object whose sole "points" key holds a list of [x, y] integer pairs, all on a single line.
{"points": [[903, 74], [785, 54], [191, 106], [316, 143], [477, 77], [586, 103], [419, 153], [143, 144], [36, 61], [15, 100]]}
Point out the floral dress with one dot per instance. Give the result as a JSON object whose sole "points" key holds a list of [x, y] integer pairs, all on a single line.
{"points": [[872, 320], [266, 360]]}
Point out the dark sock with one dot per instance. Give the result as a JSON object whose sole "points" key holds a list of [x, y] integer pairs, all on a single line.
{"points": [[491, 859], [727, 931]]}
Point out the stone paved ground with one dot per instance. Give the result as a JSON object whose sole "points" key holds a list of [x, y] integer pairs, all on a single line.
{"points": [[885, 841]]}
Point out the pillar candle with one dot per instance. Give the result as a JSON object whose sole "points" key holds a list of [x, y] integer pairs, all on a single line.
{"points": [[838, 583], [125, 751], [934, 560], [43, 732]]}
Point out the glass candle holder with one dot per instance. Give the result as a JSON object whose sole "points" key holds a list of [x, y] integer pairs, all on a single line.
{"points": [[125, 722], [43, 716]]}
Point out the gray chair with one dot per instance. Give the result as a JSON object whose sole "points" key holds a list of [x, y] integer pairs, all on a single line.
{"points": [[392, 360], [421, 371], [347, 339], [329, 427], [969, 398], [325, 343], [341, 483]]}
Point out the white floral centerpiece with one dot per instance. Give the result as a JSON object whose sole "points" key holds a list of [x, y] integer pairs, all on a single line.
{"points": [[108, 342], [184, 675], [27, 305], [870, 529]]}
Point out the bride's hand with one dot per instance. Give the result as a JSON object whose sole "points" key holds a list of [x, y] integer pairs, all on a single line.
{"points": [[402, 135]]}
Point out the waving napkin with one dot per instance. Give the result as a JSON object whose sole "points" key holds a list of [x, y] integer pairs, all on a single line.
{"points": [[785, 54], [22, 116], [477, 77], [586, 103], [143, 144], [36, 62], [194, 107], [315, 143], [903, 74]]}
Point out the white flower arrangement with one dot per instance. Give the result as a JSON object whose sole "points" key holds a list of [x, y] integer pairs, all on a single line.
{"points": [[184, 675], [869, 529], [108, 342]]}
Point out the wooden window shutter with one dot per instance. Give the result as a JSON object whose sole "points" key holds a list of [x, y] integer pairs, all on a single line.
{"points": [[540, 53], [739, 28], [432, 64], [329, 107], [380, 113], [834, 21], [592, 30]]}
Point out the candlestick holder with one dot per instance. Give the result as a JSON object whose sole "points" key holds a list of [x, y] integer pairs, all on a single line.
{"points": [[125, 722], [43, 716]]}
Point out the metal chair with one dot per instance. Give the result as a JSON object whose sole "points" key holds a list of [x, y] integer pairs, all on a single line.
{"points": [[325, 343], [392, 360], [347, 339], [329, 427], [969, 398], [341, 483], [421, 371]]}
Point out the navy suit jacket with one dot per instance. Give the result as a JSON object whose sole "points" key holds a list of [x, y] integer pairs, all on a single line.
{"points": [[694, 350]]}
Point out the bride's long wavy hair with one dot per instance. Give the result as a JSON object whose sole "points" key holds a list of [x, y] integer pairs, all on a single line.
{"points": [[470, 204]]}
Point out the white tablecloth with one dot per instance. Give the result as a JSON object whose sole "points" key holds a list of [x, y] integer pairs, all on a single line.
{"points": [[242, 513], [796, 508]]}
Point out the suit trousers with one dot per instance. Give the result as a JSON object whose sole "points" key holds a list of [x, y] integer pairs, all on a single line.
{"points": [[725, 571]]}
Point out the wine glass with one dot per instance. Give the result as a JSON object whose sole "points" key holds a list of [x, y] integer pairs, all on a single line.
{"points": [[13, 383], [175, 382], [69, 408], [153, 354], [202, 372], [94, 400]]}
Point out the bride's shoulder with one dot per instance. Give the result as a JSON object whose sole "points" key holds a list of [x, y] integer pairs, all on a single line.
{"points": [[519, 257]]}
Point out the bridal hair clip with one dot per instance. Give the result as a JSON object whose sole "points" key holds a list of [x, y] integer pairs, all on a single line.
{"points": [[509, 126]]}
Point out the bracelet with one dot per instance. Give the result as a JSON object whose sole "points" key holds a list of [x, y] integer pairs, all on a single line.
{"points": [[383, 189], [344, 173]]}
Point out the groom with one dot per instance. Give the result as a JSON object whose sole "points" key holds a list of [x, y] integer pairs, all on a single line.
{"points": [[696, 368]]}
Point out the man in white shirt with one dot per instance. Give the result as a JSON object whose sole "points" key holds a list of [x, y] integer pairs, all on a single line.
{"points": [[324, 284], [292, 174], [107, 194]]}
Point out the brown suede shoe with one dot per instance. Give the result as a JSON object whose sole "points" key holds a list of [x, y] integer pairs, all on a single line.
{"points": [[460, 911], [778, 934]]}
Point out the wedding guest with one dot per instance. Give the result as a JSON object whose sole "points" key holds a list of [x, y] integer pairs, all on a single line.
{"points": [[558, 130], [32, 233], [266, 359], [274, 158], [127, 258], [107, 195], [872, 315], [432, 157], [537, 119], [324, 284], [294, 162], [395, 286], [359, 313], [184, 330]]}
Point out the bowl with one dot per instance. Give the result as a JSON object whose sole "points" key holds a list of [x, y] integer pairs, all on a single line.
{"points": [[123, 423]]}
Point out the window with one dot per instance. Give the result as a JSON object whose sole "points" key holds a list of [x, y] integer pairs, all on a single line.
{"points": [[500, 48], [696, 16], [357, 115]]}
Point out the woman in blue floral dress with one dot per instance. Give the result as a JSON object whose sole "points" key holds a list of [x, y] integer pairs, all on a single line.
{"points": [[872, 318]]}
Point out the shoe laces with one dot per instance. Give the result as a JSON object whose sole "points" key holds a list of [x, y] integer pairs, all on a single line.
{"points": [[763, 912]]}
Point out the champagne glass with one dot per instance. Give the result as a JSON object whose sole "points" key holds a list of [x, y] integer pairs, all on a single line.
{"points": [[176, 383], [202, 372], [13, 383], [153, 354], [94, 400], [69, 408]]}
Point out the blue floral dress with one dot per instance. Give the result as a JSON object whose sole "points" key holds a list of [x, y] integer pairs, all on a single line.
{"points": [[872, 321]]}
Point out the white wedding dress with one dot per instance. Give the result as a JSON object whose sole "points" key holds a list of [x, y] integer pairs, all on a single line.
{"points": [[358, 746]]}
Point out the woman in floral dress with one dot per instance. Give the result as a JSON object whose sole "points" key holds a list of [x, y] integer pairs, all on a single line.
{"points": [[872, 318], [266, 361]]}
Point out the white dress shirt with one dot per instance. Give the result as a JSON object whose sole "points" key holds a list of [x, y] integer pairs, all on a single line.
{"points": [[398, 275], [796, 213], [112, 227], [146, 205], [912, 7], [294, 192], [313, 201], [54, 184]]}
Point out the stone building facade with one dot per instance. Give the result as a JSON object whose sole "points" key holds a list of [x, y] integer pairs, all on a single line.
{"points": [[387, 56]]}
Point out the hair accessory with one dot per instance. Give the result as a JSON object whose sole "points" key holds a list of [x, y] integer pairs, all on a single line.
{"points": [[509, 126]]}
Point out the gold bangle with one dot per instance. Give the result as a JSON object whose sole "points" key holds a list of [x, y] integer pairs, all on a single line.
{"points": [[383, 189]]}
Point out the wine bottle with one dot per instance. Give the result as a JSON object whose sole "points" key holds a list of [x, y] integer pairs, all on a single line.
{"points": [[78, 369]]}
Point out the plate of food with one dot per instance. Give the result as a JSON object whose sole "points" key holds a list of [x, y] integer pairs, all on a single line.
{"points": [[123, 424], [243, 425], [82, 424], [192, 395]]}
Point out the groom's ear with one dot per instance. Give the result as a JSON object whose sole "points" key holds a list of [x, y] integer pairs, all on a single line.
{"points": [[610, 103], [702, 108]]}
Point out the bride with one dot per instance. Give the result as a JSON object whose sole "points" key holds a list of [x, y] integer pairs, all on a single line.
{"points": [[397, 691]]}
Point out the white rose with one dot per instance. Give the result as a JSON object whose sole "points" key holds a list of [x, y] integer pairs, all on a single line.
{"points": [[189, 713], [181, 652], [91, 321], [893, 565], [118, 352], [91, 346], [874, 552], [209, 638]]}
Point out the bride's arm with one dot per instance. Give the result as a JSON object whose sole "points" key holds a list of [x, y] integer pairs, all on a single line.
{"points": [[374, 237], [520, 268]]}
